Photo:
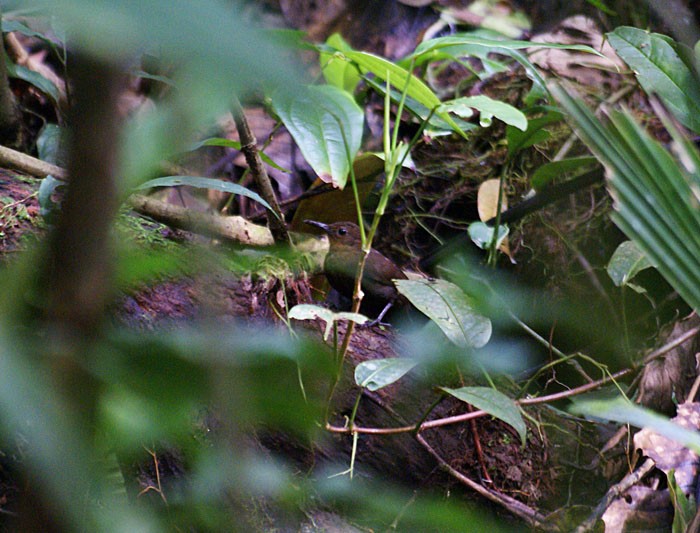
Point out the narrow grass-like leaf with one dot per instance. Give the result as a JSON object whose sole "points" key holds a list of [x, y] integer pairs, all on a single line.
{"points": [[235, 145], [205, 183], [399, 77], [656, 199]]}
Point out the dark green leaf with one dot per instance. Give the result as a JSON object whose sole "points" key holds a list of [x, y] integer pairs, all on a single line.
{"points": [[37, 80], [661, 69], [556, 169]]}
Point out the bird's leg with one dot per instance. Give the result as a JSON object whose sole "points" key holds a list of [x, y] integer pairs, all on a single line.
{"points": [[378, 320]]}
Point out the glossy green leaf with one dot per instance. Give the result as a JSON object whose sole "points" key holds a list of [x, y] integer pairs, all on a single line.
{"points": [[624, 411], [336, 70], [661, 69], [205, 183], [327, 125], [626, 262], [494, 403], [402, 80], [378, 373], [555, 169], [313, 312], [488, 108], [447, 305]]}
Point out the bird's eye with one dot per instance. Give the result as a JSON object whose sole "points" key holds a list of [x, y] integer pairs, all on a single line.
{"points": [[342, 231]]}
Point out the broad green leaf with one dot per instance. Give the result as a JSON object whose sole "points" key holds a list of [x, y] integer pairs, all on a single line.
{"points": [[555, 169], [48, 209], [37, 80], [327, 125], [48, 144], [205, 183], [488, 108], [15, 25], [626, 262], [494, 403], [623, 411], [312, 312], [399, 78], [661, 69], [378, 373], [481, 234], [336, 70], [447, 305], [236, 145]]}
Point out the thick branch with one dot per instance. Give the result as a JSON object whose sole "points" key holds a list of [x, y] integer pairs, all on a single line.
{"points": [[234, 228]]}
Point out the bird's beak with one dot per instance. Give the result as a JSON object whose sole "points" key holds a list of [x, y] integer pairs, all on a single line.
{"points": [[321, 225]]}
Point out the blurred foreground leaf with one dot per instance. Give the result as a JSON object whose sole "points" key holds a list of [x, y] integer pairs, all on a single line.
{"points": [[446, 304]]}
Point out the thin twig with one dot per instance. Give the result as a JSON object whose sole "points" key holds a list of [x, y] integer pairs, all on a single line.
{"points": [[477, 414]]}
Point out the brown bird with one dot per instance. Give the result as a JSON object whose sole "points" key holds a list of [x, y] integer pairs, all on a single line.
{"points": [[341, 263]]}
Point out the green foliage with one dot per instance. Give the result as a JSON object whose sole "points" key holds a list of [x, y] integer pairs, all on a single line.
{"points": [[494, 403], [664, 68], [488, 108], [378, 373], [626, 262], [446, 304], [236, 145], [655, 194], [555, 169], [206, 183], [327, 125], [622, 410]]}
